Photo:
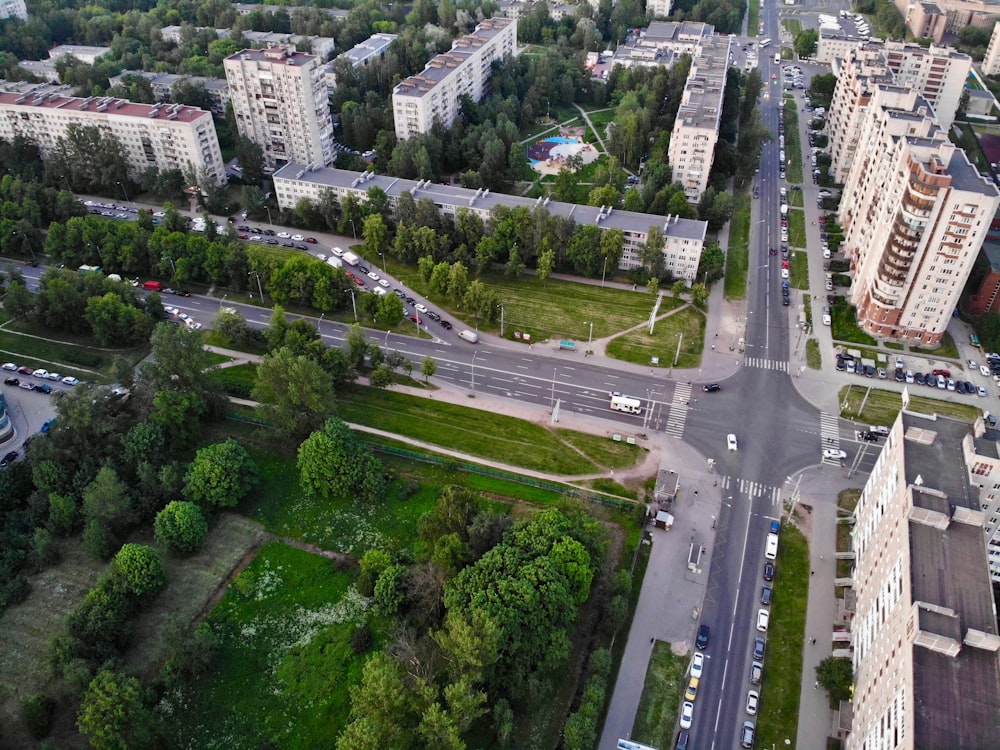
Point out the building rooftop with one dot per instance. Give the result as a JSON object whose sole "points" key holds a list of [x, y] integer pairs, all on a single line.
{"points": [[673, 32], [77, 50], [106, 104], [274, 55], [452, 195], [373, 45], [245, 9]]}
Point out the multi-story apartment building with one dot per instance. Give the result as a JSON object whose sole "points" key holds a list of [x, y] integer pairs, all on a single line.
{"points": [[981, 454], [658, 8], [683, 239], [279, 97], [361, 55], [13, 9], [987, 297], [915, 213], [926, 662], [161, 136], [938, 74], [83, 53], [163, 84], [936, 18], [696, 129], [435, 93], [991, 62]]}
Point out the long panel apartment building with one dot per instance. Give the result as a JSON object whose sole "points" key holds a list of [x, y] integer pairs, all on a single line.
{"points": [[683, 239], [915, 213], [164, 136], [924, 632], [435, 93], [696, 129], [280, 101]]}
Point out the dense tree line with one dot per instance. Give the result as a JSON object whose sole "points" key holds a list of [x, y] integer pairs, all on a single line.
{"points": [[725, 15]]}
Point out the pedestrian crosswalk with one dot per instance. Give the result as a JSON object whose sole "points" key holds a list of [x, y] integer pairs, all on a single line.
{"points": [[677, 415], [829, 431], [753, 489], [766, 364]]}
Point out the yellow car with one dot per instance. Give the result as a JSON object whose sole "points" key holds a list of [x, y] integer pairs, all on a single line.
{"points": [[692, 690]]}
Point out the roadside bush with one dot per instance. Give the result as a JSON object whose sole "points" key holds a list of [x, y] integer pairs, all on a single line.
{"points": [[36, 713], [580, 730], [45, 550], [139, 569], [181, 527], [221, 475], [361, 639]]}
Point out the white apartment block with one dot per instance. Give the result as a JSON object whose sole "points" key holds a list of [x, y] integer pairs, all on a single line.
{"points": [[662, 42], [162, 136], [924, 632], [280, 100], [683, 242], [696, 129], [13, 9], [435, 93], [938, 74], [162, 84], [84, 54], [981, 454], [991, 62], [658, 8], [361, 55], [915, 213]]}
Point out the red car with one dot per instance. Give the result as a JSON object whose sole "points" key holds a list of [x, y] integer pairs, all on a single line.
{"points": [[415, 319], [357, 281], [243, 236], [784, 264], [311, 240], [943, 373]]}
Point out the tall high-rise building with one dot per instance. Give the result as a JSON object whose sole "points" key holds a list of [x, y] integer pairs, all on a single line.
{"points": [[924, 632], [658, 8], [696, 129], [280, 100], [991, 62], [915, 213], [435, 94], [13, 9], [937, 73]]}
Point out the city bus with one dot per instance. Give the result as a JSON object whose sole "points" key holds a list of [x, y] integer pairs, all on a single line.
{"points": [[626, 404]]}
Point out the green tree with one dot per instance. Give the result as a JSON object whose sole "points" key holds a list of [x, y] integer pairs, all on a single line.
{"points": [[606, 195], [390, 589], [18, 301], [458, 282], [332, 463], [140, 569], [653, 286], [378, 703], [106, 511], [678, 288], [180, 527], [514, 264], [428, 367], [375, 235], [390, 310], [699, 294], [221, 475], [294, 391], [805, 42], [546, 263], [712, 265], [63, 514], [112, 715], [836, 675]]}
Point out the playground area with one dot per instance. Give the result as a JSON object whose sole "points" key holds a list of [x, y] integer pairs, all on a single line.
{"points": [[551, 154]]}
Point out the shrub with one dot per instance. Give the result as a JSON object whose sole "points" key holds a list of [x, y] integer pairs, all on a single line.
{"points": [[139, 569], [361, 639], [180, 527], [36, 713]]}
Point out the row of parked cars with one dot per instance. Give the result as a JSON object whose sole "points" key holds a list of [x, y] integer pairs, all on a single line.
{"points": [[38, 378]]}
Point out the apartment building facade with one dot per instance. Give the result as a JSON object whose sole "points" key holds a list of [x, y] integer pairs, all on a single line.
{"points": [[991, 62], [981, 455], [658, 8], [13, 9], [915, 213], [683, 239], [361, 55], [162, 84], [924, 633], [696, 129], [435, 93], [280, 101], [159, 135]]}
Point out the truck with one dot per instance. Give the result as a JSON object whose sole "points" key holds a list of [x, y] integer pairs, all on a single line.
{"points": [[351, 259], [626, 404], [152, 286]]}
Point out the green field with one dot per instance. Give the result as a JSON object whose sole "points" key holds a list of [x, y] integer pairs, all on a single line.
{"points": [[793, 146], [639, 346], [737, 255], [845, 326], [882, 407], [661, 697], [813, 357], [797, 228], [798, 265], [485, 434]]}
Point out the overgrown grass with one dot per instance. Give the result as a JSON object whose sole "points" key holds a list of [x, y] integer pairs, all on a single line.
{"points": [[753, 16], [946, 348], [845, 325], [797, 228], [798, 265], [737, 256], [813, 357], [661, 697], [882, 407], [785, 637], [611, 487], [795, 198], [238, 380], [473, 431], [847, 500], [894, 345], [639, 346], [793, 145], [285, 662]]}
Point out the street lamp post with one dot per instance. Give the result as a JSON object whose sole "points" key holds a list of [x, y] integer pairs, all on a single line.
{"points": [[222, 300], [268, 209], [122, 186], [354, 306], [382, 255], [501, 320], [385, 345], [604, 270], [354, 230], [677, 354], [260, 288], [590, 338], [553, 398]]}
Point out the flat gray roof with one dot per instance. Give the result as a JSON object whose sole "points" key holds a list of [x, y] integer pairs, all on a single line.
{"points": [[459, 197]]}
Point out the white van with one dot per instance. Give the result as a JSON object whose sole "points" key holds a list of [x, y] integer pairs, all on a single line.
{"points": [[765, 42], [771, 551], [471, 336], [777, 58], [337, 251]]}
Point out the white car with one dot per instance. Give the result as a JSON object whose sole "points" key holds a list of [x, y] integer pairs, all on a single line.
{"points": [[827, 320], [160, 214], [984, 370], [70, 380], [834, 453], [171, 310], [687, 714], [753, 698], [298, 237], [762, 619], [383, 283], [284, 235], [784, 273], [10, 366], [731, 442], [697, 664], [184, 316], [53, 376], [373, 276], [42, 374], [420, 308]]}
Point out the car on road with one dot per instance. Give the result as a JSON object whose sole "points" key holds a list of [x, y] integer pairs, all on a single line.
{"points": [[363, 269], [871, 437], [357, 281], [704, 633], [765, 596], [762, 619], [731, 443], [746, 736], [756, 672], [753, 698], [682, 741], [769, 571], [298, 237], [982, 391], [984, 370], [827, 320], [26, 385], [692, 689], [8, 459], [414, 319], [784, 273], [9, 366], [759, 644], [420, 308], [687, 715], [311, 240], [48, 424], [712, 387], [11, 381], [697, 664], [446, 325], [171, 310], [40, 373], [834, 453], [383, 283], [284, 235], [373, 276]]}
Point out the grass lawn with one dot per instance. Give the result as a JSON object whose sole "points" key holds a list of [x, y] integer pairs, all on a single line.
{"points": [[795, 198], [798, 265], [845, 325], [946, 348], [600, 118], [882, 407], [238, 380], [792, 25], [753, 16], [661, 697], [285, 664], [785, 637], [738, 253], [807, 308], [797, 228], [894, 345], [638, 346], [813, 358], [484, 434], [793, 147]]}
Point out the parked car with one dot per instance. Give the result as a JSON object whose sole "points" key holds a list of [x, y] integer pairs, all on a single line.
{"points": [[11, 381], [8, 459], [44, 388], [759, 644], [70, 380], [753, 698], [687, 715], [697, 664], [9, 366], [756, 672], [26, 385], [763, 617], [746, 736], [769, 571], [704, 633]]}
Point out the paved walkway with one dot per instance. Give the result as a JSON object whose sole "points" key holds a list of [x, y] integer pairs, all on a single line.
{"points": [[597, 133]]}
